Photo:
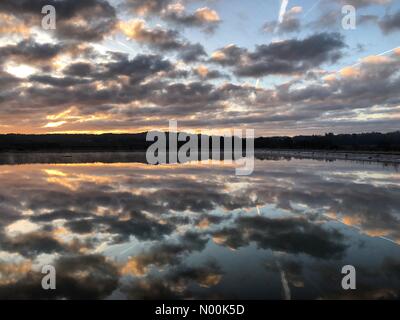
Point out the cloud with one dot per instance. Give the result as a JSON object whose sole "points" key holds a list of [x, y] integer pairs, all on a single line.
{"points": [[58, 82], [175, 13], [163, 226], [30, 244], [79, 69], [8, 81], [205, 73], [192, 53], [78, 277], [28, 51], [204, 18], [81, 226], [373, 82], [145, 7], [288, 23], [283, 234], [116, 91], [390, 23], [327, 21], [12, 26], [331, 16], [137, 69], [158, 38], [284, 57], [162, 40], [165, 254], [176, 282], [86, 20], [144, 80]]}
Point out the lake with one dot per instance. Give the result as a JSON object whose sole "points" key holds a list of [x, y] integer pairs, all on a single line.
{"points": [[116, 228]]}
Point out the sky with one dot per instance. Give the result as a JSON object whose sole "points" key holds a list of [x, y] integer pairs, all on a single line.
{"points": [[280, 67]]}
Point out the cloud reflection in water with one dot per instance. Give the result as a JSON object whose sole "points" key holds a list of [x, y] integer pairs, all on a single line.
{"points": [[128, 230]]}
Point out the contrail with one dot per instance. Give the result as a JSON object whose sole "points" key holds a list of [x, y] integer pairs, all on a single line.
{"points": [[285, 284], [378, 55], [282, 11], [126, 250], [311, 9], [357, 228], [126, 46], [389, 51], [386, 52], [360, 62]]}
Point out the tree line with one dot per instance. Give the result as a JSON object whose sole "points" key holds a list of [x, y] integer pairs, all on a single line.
{"points": [[137, 142]]}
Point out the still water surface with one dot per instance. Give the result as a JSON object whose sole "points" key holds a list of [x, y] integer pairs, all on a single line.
{"points": [[120, 229]]}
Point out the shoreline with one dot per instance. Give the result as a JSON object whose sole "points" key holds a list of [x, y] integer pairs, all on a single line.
{"points": [[329, 155], [106, 156]]}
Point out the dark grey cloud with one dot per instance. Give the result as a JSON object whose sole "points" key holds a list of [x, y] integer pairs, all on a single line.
{"points": [[194, 95], [163, 40], [390, 23], [204, 18], [285, 57], [377, 83], [170, 253], [192, 52], [58, 82], [284, 235], [98, 19], [59, 214], [204, 73], [140, 227], [80, 226], [175, 13], [32, 244], [157, 38], [78, 277], [79, 69], [84, 20], [175, 284], [138, 68], [30, 52], [147, 6], [8, 81]]}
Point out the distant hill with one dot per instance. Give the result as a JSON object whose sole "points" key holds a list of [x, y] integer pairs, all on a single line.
{"points": [[137, 142]]}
